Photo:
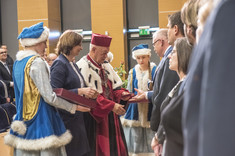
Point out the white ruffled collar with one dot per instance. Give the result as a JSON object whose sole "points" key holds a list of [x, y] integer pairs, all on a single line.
{"points": [[25, 53]]}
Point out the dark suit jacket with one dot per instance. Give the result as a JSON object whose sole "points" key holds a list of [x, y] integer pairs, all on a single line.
{"points": [[10, 62], [2, 93], [165, 79], [191, 107], [7, 78], [209, 102], [63, 76]]}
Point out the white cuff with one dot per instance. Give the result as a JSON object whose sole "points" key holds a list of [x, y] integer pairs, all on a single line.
{"points": [[74, 108], [11, 83], [146, 95]]}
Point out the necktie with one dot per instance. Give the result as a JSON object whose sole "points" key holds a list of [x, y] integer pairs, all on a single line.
{"points": [[104, 80]]}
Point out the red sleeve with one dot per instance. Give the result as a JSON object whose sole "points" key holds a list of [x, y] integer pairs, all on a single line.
{"points": [[118, 94], [103, 108]]}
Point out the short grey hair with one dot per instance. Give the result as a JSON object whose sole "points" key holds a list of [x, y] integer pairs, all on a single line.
{"points": [[161, 32]]}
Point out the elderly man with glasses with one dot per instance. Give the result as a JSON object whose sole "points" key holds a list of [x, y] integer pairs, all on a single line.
{"points": [[164, 80]]}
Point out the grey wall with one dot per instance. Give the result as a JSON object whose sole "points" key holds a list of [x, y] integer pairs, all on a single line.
{"points": [[141, 13], [85, 45], [76, 14], [9, 24]]}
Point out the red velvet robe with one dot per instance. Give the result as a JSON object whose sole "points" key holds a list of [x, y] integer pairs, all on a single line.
{"points": [[105, 133]]}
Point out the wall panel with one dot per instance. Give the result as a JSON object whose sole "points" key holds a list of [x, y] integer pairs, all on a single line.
{"points": [[109, 16], [168, 7]]}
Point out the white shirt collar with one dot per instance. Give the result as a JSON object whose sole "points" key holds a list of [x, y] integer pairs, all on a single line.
{"points": [[3, 62], [166, 49]]}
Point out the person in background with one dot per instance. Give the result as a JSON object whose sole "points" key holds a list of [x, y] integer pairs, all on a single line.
{"points": [[165, 79], [37, 128], [165, 82], [51, 58], [217, 82], [189, 17], [175, 27], [9, 61], [6, 74], [136, 121], [7, 109], [204, 11], [104, 131], [161, 76], [171, 111], [65, 74], [194, 108]]}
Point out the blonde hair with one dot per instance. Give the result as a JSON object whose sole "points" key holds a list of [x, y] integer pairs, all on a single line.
{"points": [[67, 41], [189, 12], [205, 8]]}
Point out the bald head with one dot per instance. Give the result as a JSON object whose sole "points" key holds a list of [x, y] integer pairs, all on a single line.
{"points": [[51, 58]]}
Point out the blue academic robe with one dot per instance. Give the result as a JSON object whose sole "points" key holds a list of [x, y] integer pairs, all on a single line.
{"points": [[44, 126]]}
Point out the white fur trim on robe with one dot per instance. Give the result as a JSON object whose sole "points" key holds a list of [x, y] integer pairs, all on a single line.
{"points": [[39, 144], [91, 74], [25, 53], [18, 127], [142, 107]]}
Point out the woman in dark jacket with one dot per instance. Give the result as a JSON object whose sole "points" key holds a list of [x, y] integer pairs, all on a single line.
{"points": [[169, 130], [65, 74]]}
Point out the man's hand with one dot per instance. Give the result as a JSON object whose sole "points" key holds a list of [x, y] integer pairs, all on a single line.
{"points": [[157, 148], [83, 109], [88, 92], [118, 109], [8, 100], [140, 97], [125, 96]]}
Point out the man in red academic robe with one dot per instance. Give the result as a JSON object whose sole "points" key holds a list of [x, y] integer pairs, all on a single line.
{"points": [[104, 129]]}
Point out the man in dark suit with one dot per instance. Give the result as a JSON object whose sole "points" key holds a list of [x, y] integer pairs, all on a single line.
{"points": [[165, 79], [208, 129], [5, 73], [9, 60]]}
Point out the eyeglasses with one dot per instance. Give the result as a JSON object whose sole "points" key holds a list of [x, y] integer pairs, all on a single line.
{"points": [[4, 52], [156, 42]]}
